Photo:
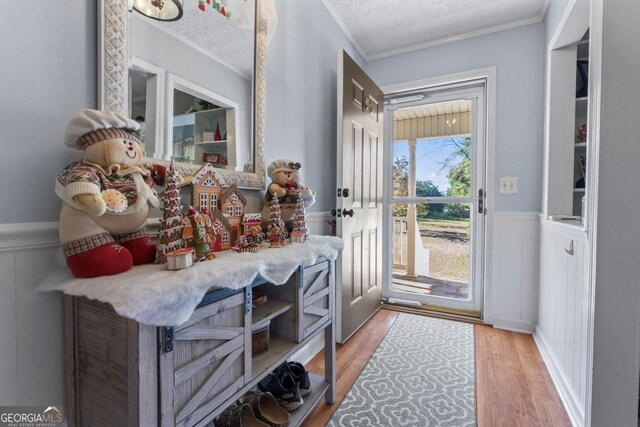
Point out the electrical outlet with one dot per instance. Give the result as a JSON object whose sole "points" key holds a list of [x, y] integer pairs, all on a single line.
{"points": [[508, 184]]}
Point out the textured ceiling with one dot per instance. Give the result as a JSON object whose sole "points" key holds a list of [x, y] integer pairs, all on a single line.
{"points": [[380, 28], [230, 41], [432, 110]]}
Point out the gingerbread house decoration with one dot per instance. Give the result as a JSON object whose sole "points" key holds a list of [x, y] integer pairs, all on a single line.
{"points": [[233, 205], [187, 230], [206, 189], [250, 220], [222, 230]]}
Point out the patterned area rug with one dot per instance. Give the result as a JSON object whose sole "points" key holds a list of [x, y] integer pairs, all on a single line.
{"points": [[422, 374]]}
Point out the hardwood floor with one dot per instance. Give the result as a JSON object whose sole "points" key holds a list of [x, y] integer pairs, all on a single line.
{"points": [[513, 387]]}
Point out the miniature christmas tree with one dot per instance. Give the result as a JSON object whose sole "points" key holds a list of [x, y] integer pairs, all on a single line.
{"points": [[275, 215], [299, 233], [276, 230], [171, 223]]}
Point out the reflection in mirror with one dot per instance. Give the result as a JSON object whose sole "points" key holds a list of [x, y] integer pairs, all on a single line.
{"points": [[141, 105], [206, 106], [146, 86], [203, 132]]}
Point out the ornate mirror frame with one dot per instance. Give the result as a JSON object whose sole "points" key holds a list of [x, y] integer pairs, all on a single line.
{"points": [[113, 69]]}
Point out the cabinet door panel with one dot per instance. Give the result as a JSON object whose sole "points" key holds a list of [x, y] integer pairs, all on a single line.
{"points": [[207, 363], [316, 297]]}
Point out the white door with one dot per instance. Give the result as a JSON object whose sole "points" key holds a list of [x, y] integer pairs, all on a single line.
{"points": [[359, 197], [435, 177]]}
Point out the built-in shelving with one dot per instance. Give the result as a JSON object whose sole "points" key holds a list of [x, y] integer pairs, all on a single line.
{"points": [[271, 309], [580, 147], [188, 135], [278, 348], [221, 142], [318, 388]]}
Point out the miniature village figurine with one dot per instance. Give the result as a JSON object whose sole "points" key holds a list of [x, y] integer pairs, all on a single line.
{"points": [[200, 235], [180, 259], [255, 235], [244, 245]]}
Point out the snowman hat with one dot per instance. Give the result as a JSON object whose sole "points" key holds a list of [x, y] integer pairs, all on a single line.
{"points": [[91, 126], [282, 165]]}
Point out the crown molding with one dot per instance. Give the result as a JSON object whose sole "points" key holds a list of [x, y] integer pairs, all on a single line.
{"points": [[494, 29], [456, 38]]}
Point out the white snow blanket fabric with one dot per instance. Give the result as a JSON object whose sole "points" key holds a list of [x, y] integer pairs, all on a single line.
{"points": [[153, 295]]}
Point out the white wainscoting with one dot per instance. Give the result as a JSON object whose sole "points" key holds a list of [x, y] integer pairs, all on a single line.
{"points": [[31, 336], [561, 332], [515, 265], [32, 323]]}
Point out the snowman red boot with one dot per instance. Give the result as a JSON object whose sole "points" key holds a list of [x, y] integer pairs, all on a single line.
{"points": [[104, 260], [140, 246]]}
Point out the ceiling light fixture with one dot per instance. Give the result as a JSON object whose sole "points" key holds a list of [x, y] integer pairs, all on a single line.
{"points": [[160, 10]]}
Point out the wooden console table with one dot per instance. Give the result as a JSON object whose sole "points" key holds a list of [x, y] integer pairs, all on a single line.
{"points": [[123, 373]]}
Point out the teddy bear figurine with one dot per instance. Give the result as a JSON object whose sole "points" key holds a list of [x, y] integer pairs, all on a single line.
{"points": [[285, 184], [106, 196], [277, 236]]}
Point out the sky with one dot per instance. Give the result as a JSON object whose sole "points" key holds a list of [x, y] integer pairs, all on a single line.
{"points": [[430, 154]]}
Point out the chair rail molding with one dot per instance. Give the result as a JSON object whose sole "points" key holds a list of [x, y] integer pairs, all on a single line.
{"points": [[16, 237], [29, 235]]}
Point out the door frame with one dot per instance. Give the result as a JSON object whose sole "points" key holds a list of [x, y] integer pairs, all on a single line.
{"points": [[488, 77]]}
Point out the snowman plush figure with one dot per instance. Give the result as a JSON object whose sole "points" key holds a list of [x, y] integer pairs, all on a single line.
{"points": [[106, 196], [285, 185]]}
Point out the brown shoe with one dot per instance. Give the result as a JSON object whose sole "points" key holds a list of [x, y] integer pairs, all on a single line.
{"points": [[248, 418], [238, 416], [266, 408], [230, 417]]}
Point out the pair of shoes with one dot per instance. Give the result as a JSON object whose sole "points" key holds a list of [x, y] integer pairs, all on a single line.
{"points": [[266, 408], [239, 416], [299, 374], [288, 383]]}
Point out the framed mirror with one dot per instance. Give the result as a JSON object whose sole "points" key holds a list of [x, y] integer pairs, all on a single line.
{"points": [[196, 84]]}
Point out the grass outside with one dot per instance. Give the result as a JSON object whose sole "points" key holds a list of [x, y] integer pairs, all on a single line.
{"points": [[448, 243], [447, 240]]}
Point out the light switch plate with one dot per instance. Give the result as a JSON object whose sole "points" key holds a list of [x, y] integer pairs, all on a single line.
{"points": [[508, 184]]}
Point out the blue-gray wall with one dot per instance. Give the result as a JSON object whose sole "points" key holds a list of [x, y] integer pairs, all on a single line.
{"points": [[47, 73], [517, 56], [301, 93]]}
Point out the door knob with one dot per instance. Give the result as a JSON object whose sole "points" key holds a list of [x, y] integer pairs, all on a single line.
{"points": [[345, 192], [333, 212], [346, 212]]}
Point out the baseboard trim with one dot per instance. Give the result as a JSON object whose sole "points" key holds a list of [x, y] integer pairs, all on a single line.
{"points": [[523, 326], [569, 400]]}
